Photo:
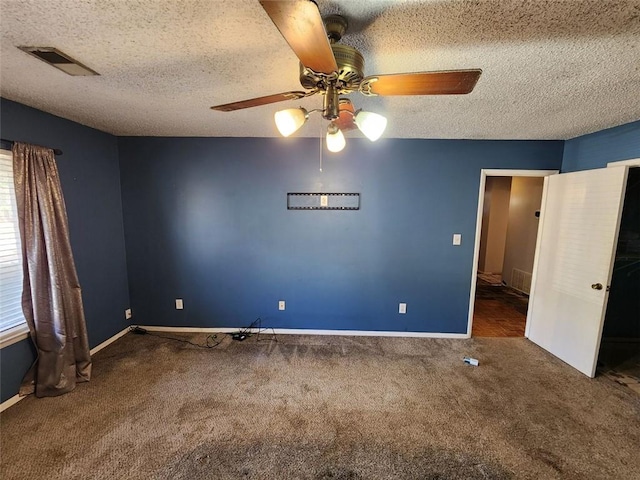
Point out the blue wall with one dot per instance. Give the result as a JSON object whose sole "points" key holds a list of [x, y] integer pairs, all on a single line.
{"points": [[90, 179], [206, 221], [597, 149]]}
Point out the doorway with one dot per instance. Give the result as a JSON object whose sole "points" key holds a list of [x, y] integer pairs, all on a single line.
{"points": [[619, 355], [506, 232]]}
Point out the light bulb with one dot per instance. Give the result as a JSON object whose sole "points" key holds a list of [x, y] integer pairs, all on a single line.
{"points": [[290, 120], [371, 124], [335, 138]]}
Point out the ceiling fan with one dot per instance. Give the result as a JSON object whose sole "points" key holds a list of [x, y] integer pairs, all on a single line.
{"points": [[332, 69]]}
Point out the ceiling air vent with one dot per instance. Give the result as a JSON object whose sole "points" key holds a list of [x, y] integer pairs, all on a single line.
{"points": [[62, 61]]}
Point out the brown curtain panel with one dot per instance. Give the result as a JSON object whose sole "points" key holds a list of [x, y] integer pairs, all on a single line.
{"points": [[51, 296]]}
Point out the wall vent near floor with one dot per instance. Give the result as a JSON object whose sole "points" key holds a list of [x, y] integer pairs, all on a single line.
{"points": [[521, 281]]}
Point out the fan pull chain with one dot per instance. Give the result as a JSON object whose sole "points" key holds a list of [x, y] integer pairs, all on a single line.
{"points": [[321, 149]]}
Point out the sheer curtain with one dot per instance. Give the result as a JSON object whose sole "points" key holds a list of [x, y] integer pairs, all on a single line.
{"points": [[51, 296]]}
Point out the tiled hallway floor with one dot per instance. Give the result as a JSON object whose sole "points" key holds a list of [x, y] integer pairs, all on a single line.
{"points": [[499, 311]]}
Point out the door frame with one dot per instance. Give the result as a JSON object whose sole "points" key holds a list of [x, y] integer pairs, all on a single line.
{"points": [[632, 162], [484, 173]]}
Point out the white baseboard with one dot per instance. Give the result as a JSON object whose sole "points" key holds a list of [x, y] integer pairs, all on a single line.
{"points": [[16, 398], [305, 331], [279, 331], [14, 335], [108, 341], [10, 402]]}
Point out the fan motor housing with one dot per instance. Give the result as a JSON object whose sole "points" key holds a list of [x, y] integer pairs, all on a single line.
{"points": [[350, 70]]}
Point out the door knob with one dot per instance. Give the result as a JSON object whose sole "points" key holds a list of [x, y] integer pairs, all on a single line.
{"points": [[596, 286]]}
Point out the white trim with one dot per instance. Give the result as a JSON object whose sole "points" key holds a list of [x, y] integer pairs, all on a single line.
{"points": [[632, 162], [305, 331], [109, 341], [499, 172], [279, 331], [14, 335], [536, 255], [484, 173], [10, 402], [16, 398]]}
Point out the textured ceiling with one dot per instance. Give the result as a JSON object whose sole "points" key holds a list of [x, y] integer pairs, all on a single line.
{"points": [[552, 69]]}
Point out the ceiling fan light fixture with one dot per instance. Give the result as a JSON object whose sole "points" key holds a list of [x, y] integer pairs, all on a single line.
{"points": [[371, 124], [290, 120], [335, 138]]}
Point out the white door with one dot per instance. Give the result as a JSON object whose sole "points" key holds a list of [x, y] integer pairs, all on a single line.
{"points": [[574, 261]]}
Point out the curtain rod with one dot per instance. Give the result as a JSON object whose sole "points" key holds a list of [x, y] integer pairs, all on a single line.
{"points": [[4, 141]]}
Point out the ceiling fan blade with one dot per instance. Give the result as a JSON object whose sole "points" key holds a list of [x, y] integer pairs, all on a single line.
{"points": [[455, 82], [256, 102], [302, 27]]}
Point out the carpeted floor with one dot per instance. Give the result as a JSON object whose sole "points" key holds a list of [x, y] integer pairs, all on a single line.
{"points": [[621, 362], [311, 407]]}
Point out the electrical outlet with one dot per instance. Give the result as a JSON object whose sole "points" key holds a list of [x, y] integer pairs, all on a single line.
{"points": [[457, 239], [179, 304], [402, 308], [281, 305], [324, 200], [127, 314]]}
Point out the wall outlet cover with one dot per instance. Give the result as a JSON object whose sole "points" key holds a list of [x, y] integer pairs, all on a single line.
{"points": [[281, 305], [179, 304], [127, 314], [402, 308]]}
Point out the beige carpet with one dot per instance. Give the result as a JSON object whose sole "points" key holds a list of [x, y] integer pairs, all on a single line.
{"points": [[327, 408]]}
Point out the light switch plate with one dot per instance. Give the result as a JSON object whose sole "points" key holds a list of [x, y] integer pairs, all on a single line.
{"points": [[402, 308], [324, 201], [179, 304], [457, 238], [281, 305]]}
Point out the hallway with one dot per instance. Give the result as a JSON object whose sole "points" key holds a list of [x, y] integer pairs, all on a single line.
{"points": [[499, 311]]}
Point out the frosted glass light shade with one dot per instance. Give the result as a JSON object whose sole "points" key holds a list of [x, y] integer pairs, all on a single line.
{"points": [[290, 120], [335, 138], [371, 124]]}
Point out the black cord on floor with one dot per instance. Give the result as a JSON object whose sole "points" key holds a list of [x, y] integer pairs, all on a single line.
{"points": [[211, 341], [256, 325], [246, 331]]}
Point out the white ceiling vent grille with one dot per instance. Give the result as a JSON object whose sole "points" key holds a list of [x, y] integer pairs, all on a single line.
{"points": [[60, 60]]}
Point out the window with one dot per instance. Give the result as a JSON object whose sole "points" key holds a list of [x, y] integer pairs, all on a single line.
{"points": [[13, 326]]}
